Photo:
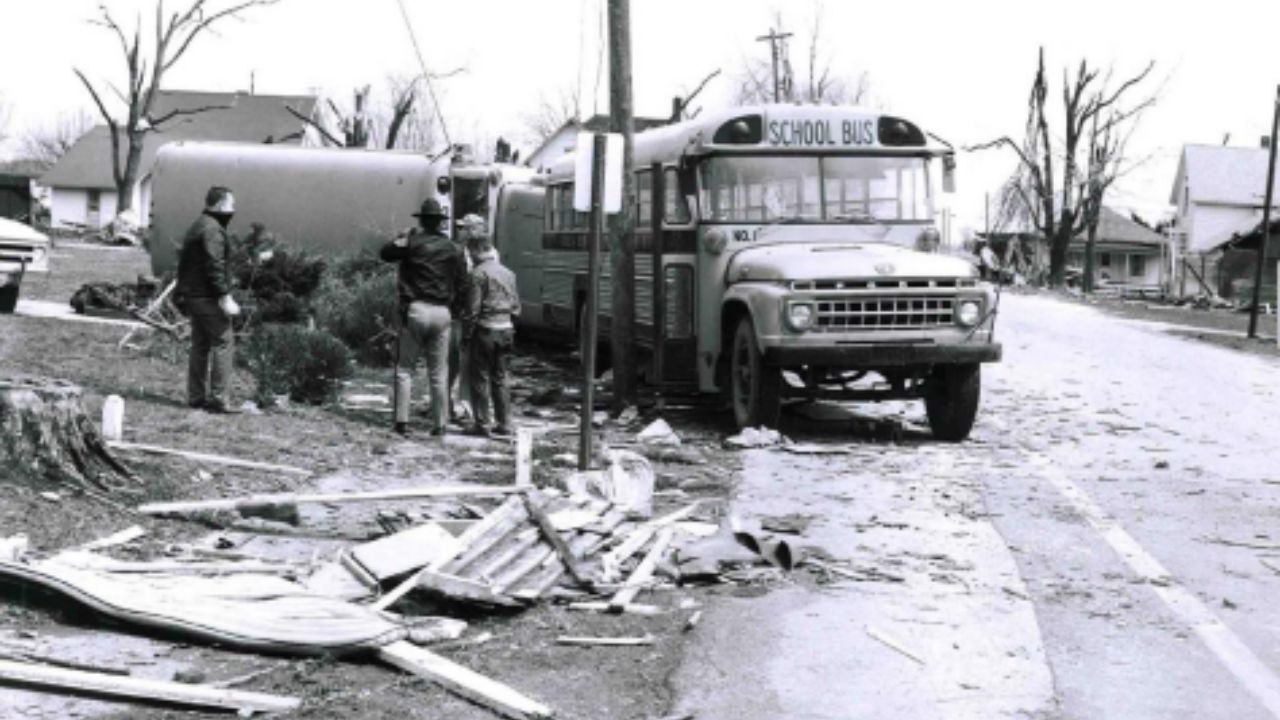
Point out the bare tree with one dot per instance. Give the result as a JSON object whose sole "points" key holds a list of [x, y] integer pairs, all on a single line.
{"points": [[1068, 169], [822, 84], [550, 114], [680, 109], [48, 142], [173, 35]]}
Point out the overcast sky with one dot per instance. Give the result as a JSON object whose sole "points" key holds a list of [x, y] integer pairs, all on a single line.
{"points": [[960, 69]]}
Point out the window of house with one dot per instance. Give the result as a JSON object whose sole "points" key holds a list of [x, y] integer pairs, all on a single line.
{"points": [[1104, 260], [1137, 265], [95, 200]]}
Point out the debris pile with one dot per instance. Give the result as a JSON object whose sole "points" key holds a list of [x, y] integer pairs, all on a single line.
{"points": [[595, 545]]}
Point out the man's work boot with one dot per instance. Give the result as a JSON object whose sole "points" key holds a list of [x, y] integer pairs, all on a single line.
{"points": [[401, 429]]}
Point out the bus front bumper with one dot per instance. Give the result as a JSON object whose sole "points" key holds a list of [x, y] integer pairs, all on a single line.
{"points": [[876, 355]]}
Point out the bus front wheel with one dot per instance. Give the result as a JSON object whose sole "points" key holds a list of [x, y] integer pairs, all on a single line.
{"points": [[951, 400], [756, 388]]}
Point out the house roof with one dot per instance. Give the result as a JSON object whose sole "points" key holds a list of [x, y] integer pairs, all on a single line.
{"points": [[231, 117], [1113, 228], [595, 123], [1222, 175]]}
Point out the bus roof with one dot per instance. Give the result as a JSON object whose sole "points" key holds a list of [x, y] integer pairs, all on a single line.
{"points": [[776, 128]]}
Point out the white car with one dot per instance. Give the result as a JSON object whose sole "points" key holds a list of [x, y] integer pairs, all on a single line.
{"points": [[22, 250]]}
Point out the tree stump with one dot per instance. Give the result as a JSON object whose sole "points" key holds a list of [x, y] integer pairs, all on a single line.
{"points": [[45, 434]]}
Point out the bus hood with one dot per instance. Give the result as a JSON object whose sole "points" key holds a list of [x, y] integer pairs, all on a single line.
{"points": [[831, 261]]}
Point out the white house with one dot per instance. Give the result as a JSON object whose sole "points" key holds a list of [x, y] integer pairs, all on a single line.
{"points": [[566, 138], [1219, 192], [83, 191]]}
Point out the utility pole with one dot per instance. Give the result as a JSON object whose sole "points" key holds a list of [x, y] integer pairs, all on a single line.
{"points": [[774, 38], [1266, 222], [622, 240], [586, 452]]}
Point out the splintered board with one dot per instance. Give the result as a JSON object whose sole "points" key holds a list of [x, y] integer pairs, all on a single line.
{"points": [[508, 554]]}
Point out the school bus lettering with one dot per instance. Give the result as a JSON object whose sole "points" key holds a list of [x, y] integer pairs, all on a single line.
{"points": [[822, 133]]}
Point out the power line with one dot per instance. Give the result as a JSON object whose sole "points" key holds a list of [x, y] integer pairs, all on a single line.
{"points": [[426, 76]]}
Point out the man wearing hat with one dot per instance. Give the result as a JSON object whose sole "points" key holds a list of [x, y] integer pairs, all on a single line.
{"points": [[204, 290], [430, 285]]}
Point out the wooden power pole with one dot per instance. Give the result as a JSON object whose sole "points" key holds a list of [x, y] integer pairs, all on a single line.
{"points": [[622, 243], [775, 39]]}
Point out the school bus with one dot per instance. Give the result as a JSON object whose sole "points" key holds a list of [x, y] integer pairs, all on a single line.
{"points": [[782, 251]]}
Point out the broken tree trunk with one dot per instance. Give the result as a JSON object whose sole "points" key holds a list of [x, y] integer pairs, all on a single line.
{"points": [[45, 434]]}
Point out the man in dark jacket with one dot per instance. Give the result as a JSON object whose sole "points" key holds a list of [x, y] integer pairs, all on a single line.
{"points": [[204, 284], [492, 303], [431, 277]]}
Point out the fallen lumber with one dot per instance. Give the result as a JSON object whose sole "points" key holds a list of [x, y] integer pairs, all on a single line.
{"points": [[524, 457], [253, 503], [127, 535], [605, 641], [893, 644], [457, 588], [612, 560], [632, 609], [643, 572], [139, 689], [552, 536], [404, 551], [467, 683], [207, 457], [488, 531]]}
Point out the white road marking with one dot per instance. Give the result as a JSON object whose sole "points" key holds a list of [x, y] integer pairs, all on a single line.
{"points": [[1238, 659]]}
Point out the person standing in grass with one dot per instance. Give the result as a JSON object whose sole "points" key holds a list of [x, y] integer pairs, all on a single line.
{"points": [[489, 331], [431, 276], [204, 290]]}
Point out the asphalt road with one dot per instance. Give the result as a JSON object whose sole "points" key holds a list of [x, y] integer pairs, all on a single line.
{"points": [[1104, 546]]}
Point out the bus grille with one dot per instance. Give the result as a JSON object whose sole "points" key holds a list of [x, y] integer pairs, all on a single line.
{"points": [[884, 313]]}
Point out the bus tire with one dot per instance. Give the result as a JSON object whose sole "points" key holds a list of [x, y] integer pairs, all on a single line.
{"points": [[951, 400], [755, 389]]}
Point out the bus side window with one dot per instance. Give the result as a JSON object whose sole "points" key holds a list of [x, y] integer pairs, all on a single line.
{"points": [[549, 219], [644, 199], [675, 206]]}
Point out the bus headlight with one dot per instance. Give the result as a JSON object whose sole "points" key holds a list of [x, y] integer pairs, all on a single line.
{"points": [[969, 312], [714, 241], [800, 316]]}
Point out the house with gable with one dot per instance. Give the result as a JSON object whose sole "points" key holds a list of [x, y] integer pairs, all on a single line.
{"points": [[565, 139], [1219, 193], [83, 190]]}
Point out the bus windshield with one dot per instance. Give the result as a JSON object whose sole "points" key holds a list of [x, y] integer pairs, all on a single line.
{"points": [[815, 189]]}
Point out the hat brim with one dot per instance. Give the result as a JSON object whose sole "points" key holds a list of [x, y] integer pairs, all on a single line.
{"points": [[430, 214]]}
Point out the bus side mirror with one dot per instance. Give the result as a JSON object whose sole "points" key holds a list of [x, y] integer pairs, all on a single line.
{"points": [[949, 173]]}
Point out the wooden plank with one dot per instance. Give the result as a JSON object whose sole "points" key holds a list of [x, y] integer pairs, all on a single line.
{"points": [[538, 556], [643, 572], [632, 609], [240, 504], [404, 551], [462, 589], [557, 543], [486, 535], [523, 541], [207, 457], [492, 526], [127, 535], [524, 457], [139, 689], [605, 641], [613, 560], [467, 683], [584, 544]]}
